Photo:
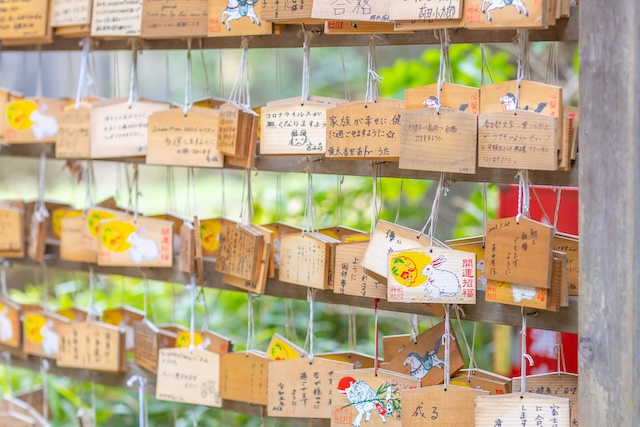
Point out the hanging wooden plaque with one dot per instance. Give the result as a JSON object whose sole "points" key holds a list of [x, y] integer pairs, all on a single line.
{"points": [[342, 232], [556, 384], [166, 19], [209, 236], [33, 120], [287, 12], [115, 19], [304, 260], [204, 340], [94, 346], [23, 19], [178, 140], [393, 344], [124, 318], [421, 359], [559, 285], [118, 130], [73, 30], [11, 226], [514, 294], [440, 141], [7, 96], [141, 242], [345, 10], [514, 409], [433, 10], [350, 278], [519, 251], [187, 261], [76, 244], [197, 244], [437, 406], [243, 377], [40, 333], [439, 275], [359, 27], [230, 18], [279, 230], [247, 144], [189, 377], [10, 327], [458, 97], [37, 237], [376, 398], [281, 348], [362, 131], [482, 380], [429, 25], [496, 14], [258, 285], [66, 13], [236, 130], [301, 389], [388, 237], [73, 139], [241, 249], [150, 339], [474, 245], [570, 245], [56, 213], [532, 97], [74, 314]]}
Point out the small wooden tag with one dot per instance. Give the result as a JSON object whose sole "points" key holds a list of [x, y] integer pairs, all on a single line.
{"points": [[360, 27], [143, 242], [304, 260], [437, 406], [7, 96], [351, 278], [557, 384], [40, 333], [24, 19], [301, 389], [482, 380], [225, 20], [501, 15], [514, 409], [205, 341], [11, 226], [388, 237], [76, 243], [514, 294], [279, 230], [198, 250], [128, 24], [570, 245], [437, 10], [368, 11], [281, 348], [92, 346], [426, 274], [377, 398], [187, 248], [70, 13], [533, 97], [150, 339], [73, 140], [118, 130], [209, 232], [240, 249], [10, 327], [247, 144], [519, 251], [364, 132], [179, 140], [37, 237], [419, 359], [174, 18], [124, 318], [243, 377], [33, 120], [189, 377], [457, 97]]}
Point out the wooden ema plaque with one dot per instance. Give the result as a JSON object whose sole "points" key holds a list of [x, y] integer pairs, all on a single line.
{"points": [[350, 277], [431, 11], [118, 130], [189, 377], [10, 326], [557, 384], [516, 410], [570, 245], [124, 318], [259, 285], [143, 242], [73, 139], [482, 380], [40, 333], [247, 144], [7, 96], [519, 252], [279, 230], [229, 18], [204, 340], [235, 129], [304, 260], [287, 12], [514, 294], [437, 406], [496, 14], [187, 256], [56, 212], [393, 344], [209, 236], [115, 19], [356, 359], [300, 389], [243, 377], [174, 19], [280, 348], [37, 237], [75, 244], [74, 314], [457, 97], [179, 140], [241, 248], [345, 10], [149, 340], [11, 226], [70, 13], [439, 275], [31, 120], [424, 360], [345, 234], [533, 97], [356, 130], [474, 245], [73, 30], [388, 237], [296, 129], [94, 346], [443, 141], [370, 397], [23, 19], [358, 27]]}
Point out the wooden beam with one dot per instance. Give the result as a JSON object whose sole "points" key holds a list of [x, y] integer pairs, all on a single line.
{"points": [[609, 348]]}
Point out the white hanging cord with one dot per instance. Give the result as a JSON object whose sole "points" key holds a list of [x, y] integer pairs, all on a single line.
{"points": [[203, 302], [415, 327], [340, 181], [306, 64], [484, 65], [524, 194], [446, 340], [524, 67], [485, 213], [251, 324], [310, 340], [290, 321], [558, 350], [352, 336], [194, 200], [133, 82], [525, 357], [137, 193], [40, 211], [473, 366], [444, 73], [192, 319], [552, 65], [397, 219], [207, 86], [309, 208], [375, 171], [240, 90], [39, 85], [92, 296], [441, 191], [171, 205], [44, 371], [141, 381], [278, 197], [373, 79], [223, 198], [188, 85], [345, 77], [220, 75], [85, 79], [116, 75], [556, 214], [544, 211], [469, 348], [246, 209], [167, 88]]}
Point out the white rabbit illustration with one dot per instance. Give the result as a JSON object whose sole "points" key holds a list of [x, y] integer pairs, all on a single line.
{"points": [[440, 282], [204, 344], [129, 334], [49, 339], [142, 249], [44, 125], [6, 327], [522, 292], [482, 281]]}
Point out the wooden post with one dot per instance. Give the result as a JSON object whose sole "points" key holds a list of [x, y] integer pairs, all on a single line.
{"points": [[609, 307]]}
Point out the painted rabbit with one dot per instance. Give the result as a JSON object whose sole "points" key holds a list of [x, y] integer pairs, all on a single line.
{"points": [[440, 282], [142, 249]]}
